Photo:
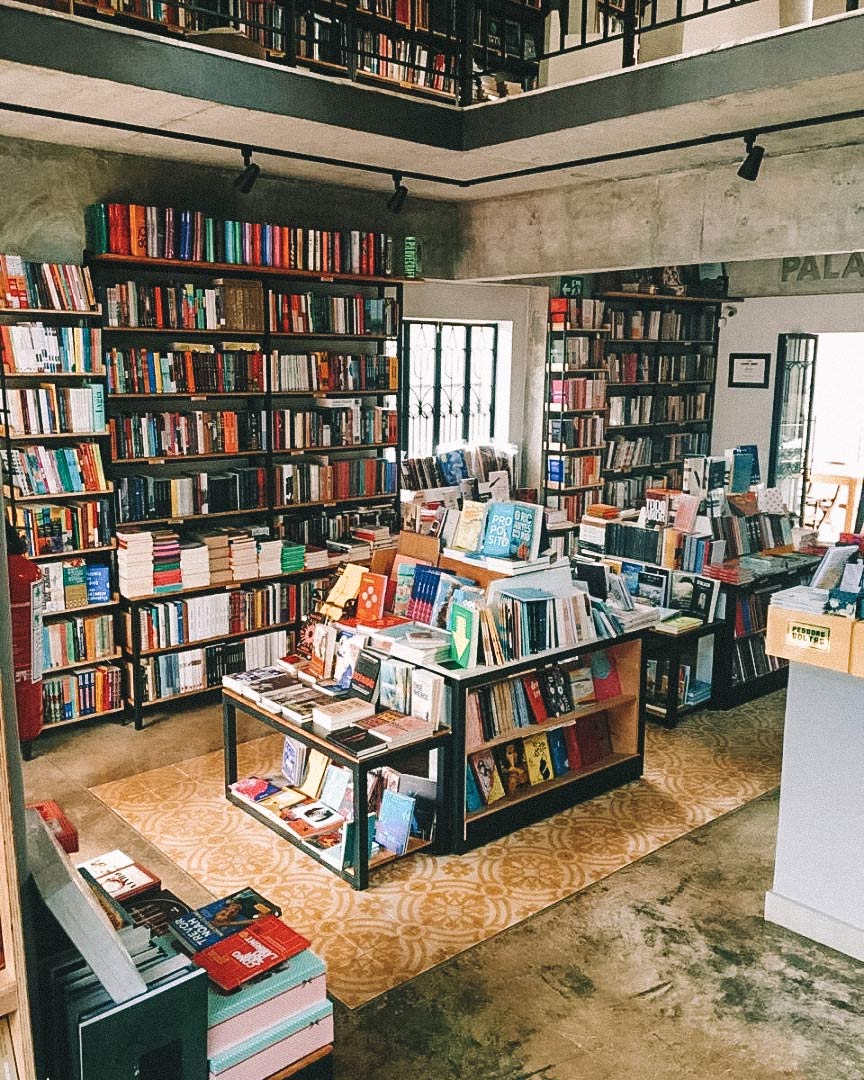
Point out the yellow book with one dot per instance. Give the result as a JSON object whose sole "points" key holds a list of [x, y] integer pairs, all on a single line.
{"points": [[316, 767], [538, 759]]}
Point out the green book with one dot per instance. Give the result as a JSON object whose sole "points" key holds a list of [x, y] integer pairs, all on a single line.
{"points": [[75, 583], [463, 627]]}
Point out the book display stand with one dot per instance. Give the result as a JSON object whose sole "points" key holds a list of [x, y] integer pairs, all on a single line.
{"points": [[356, 870]]}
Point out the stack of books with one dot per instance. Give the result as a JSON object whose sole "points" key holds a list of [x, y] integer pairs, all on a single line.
{"points": [[220, 560], [166, 561], [293, 557], [194, 565], [269, 558], [135, 562], [242, 554]]}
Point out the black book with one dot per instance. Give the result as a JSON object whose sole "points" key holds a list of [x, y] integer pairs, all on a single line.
{"points": [[357, 741]]}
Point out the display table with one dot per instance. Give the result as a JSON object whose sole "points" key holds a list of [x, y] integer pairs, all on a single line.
{"points": [[819, 872]]}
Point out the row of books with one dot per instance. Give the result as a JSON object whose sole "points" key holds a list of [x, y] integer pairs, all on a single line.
{"points": [[628, 409], [751, 661], [168, 675], [254, 607], [345, 479], [167, 233], [691, 691], [74, 583], [49, 529], [576, 471], [186, 369], [32, 348], [320, 313], [531, 760], [578, 393], [178, 306], [578, 313], [326, 527], [54, 286], [677, 447], [577, 353], [405, 61], [343, 424], [576, 432], [52, 410], [752, 534], [76, 695], [187, 434], [751, 612], [536, 698], [655, 325], [142, 498], [573, 506], [531, 620], [40, 470], [84, 637], [324, 371], [641, 367], [622, 453]]}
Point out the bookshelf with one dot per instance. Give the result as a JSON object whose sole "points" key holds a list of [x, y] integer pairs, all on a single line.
{"points": [[357, 874], [743, 670], [241, 395], [661, 358], [52, 385], [575, 407], [619, 764]]}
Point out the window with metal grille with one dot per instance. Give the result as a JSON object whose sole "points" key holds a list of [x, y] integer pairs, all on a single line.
{"points": [[451, 371]]}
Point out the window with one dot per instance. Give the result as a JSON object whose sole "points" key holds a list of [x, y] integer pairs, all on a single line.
{"points": [[451, 369]]}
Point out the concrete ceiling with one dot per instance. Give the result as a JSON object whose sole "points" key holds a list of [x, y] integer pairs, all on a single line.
{"points": [[690, 102]]}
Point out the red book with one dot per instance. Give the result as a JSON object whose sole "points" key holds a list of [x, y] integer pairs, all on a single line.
{"points": [[605, 675], [574, 754], [535, 699], [238, 958]]}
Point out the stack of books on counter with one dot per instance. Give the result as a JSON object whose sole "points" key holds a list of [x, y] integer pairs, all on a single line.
{"points": [[267, 1006], [194, 564], [166, 561], [135, 562], [269, 558], [243, 554], [220, 559]]}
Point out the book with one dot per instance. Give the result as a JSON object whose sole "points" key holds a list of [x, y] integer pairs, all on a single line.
{"points": [[427, 696], [357, 741], [486, 774], [316, 769], [538, 759], [512, 766], [365, 676], [371, 596], [311, 818], [197, 930], [237, 959], [337, 783], [120, 876], [604, 672], [558, 751], [395, 685], [331, 716], [393, 827], [293, 761], [512, 530], [470, 528], [581, 685]]}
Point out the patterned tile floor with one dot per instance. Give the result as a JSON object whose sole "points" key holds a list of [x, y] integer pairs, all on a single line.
{"points": [[426, 909]]}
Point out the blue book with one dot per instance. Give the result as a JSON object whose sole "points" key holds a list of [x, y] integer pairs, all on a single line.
{"points": [[753, 450], [229, 241], [498, 534], [393, 827], [555, 469], [473, 798], [98, 584], [558, 751]]}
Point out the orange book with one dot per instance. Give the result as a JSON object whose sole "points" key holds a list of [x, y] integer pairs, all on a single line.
{"points": [[190, 372], [138, 231], [229, 427]]}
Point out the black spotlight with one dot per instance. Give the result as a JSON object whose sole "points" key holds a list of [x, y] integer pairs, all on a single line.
{"points": [[245, 181], [751, 164], [400, 194]]}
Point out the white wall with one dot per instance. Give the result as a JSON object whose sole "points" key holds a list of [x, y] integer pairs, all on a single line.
{"points": [[744, 416], [518, 395]]}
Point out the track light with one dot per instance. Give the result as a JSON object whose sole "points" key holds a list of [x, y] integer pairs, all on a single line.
{"points": [[751, 164], [400, 194], [245, 181]]}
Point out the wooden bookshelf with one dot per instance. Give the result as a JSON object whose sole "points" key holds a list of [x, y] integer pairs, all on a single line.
{"points": [[279, 519], [526, 805]]}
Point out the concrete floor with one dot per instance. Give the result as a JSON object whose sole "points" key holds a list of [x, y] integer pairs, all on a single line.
{"points": [[664, 970]]}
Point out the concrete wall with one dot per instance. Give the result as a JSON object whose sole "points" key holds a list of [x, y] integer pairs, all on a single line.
{"points": [[744, 416], [798, 275], [802, 202], [519, 394], [46, 187]]}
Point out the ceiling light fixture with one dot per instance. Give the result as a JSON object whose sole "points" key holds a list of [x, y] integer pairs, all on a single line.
{"points": [[752, 163], [400, 194], [245, 181]]}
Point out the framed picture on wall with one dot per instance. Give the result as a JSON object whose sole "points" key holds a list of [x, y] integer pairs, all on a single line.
{"points": [[749, 371]]}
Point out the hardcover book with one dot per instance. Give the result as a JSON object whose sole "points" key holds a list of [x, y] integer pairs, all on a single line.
{"points": [[512, 766], [364, 679], [237, 959], [393, 828], [486, 775], [607, 684]]}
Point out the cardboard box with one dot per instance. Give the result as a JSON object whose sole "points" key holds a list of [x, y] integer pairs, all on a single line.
{"points": [[806, 638]]}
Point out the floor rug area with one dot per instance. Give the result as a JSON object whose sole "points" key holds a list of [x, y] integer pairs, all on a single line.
{"points": [[425, 909]]}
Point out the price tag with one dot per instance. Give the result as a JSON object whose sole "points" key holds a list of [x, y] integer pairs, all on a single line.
{"points": [[198, 397]]}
